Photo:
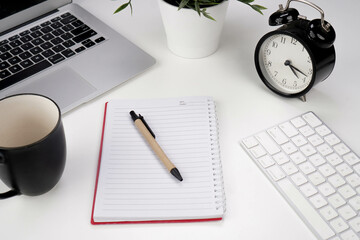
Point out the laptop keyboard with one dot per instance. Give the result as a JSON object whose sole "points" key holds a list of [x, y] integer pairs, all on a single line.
{"points": [[42, 46]]}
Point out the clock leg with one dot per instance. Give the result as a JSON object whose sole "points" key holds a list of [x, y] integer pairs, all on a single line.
{"points": [[303, 98]]}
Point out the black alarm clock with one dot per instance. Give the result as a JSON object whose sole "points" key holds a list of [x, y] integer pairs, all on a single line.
{"points": [[296, 56]]}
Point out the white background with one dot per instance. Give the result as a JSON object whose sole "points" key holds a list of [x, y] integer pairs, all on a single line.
{"points": [[255, 210]]}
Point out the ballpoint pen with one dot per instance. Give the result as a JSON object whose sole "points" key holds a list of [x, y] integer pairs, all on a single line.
{"points": [[147, 133]]}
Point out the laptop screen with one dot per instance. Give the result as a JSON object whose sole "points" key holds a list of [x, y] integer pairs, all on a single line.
{"points": [[10, 7], [16, 12]]}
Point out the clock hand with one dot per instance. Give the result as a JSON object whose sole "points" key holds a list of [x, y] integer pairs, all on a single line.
{"points": [[288, 63], [298, 70]]}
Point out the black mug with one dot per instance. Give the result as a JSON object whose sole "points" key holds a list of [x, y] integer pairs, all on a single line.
{"points": [[32, 144]]}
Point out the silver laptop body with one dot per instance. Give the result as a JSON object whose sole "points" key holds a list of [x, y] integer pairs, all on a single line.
{"points": [[85, 75]]}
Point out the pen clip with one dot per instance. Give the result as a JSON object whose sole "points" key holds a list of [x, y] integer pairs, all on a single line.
{"points": [[146, 125], [134, 117]]}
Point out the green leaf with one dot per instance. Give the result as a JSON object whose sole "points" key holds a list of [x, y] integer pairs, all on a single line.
{"points": [[122, 7], [258, 8], [207, 15], [183, 3]]}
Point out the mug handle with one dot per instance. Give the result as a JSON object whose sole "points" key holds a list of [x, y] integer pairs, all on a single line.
{"points": [[10, 193]]}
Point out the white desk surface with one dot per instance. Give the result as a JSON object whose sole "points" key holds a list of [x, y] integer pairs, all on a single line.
{"points": [[255, 210]]}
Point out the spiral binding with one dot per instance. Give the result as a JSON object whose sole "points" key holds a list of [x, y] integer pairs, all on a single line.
{"points": [[219, 191]]}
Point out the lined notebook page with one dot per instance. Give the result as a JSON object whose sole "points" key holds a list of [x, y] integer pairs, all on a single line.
{"points": [[133, 184]]}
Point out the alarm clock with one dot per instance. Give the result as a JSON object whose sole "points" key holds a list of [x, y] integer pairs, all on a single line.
{"points": [[298, 55]]}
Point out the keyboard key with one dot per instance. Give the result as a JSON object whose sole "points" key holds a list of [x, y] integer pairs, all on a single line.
{"points": [[80, 49], [334, 159], [326, 189], [80, 30], [351, 159], [355, 203], [27, 46], [266, 161], [349, 235], [25, 55], [275, 173], [336, 200], [289, 148], [4, 74], [341, 149], [288, 129], [344, 169], [55, 19], [26, 32], [298, 122], [88, 43], [84, 36], [77, 23], [322, 130], [46, 29], [347, 212], [5, 56], [56, 58], [16, 51], [306, 131], [14, 69], [299, 140], [316, 178], [26, 39], [250, 142], [37, 58], [48, 37], [332, 139], [36, 50], [15, 43], [58, 48], [13, 38], [326, 170], [257, 151], [324, 149], [46, 45], [48, 53], [281, 158], [355, 224], [265, 140], [68, 43], [66, 36], [307, 150], [307, 168], [56, 25], [298, 157], [67, 28], [339, 225], [289, 168], [4, 48], [47, 23], [2, 42], [68, 20], [57, 32], [277, 135], [315, 140], [14, 60], [37, 41], [100, 39], [311, 119], [328, 213], [56, 41], [318, 201], [4, 65], [299, 179], [26, 63], [33, 29], [346, 191], [24, 74], [353, 180], [336, 180], [317, 160], [36, 34]]}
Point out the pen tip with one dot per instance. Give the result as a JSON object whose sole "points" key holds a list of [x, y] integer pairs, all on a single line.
{"points": [[175, 172]]}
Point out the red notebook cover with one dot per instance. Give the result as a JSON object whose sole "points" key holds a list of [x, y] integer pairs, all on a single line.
{"points": [[132, 222]]}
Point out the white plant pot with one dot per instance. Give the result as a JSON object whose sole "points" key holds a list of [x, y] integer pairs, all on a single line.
{"points": [[190, 35]]}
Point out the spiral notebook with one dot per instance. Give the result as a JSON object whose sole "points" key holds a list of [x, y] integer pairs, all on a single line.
{"points": [[133, 186]]}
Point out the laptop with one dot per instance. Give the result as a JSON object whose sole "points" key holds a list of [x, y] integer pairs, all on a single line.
{"points": [[58, 49]]}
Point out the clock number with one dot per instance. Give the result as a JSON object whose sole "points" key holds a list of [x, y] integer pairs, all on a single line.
{"points": [[268, 51], [283, 40], [276, 73], [269, 63], [284, 81], [309, 59], [310, 71], [295, 84], [294, 41], [275, 44], [304, 79]]}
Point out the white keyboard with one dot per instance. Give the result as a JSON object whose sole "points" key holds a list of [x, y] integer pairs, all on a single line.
{"points": [[315, 171]]}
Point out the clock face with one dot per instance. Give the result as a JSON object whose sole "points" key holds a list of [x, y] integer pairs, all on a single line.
{"points": [[285, 63]]}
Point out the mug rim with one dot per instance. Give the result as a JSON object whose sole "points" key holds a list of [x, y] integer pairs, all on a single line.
{"points": [[42, 139]]}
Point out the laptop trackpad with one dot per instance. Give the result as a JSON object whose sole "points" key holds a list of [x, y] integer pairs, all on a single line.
{"points": [[64, 86]]}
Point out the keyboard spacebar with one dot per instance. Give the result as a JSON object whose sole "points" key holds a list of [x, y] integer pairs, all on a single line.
{"points": [[24, 74], [308, 212]]}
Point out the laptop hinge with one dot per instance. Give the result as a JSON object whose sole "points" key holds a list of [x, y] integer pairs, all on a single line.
{"points": [[28, 22]]}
